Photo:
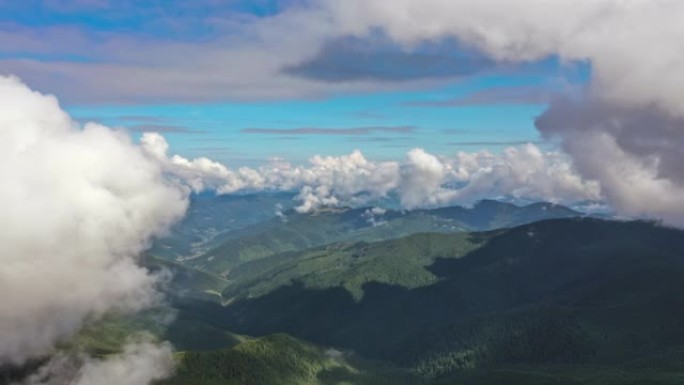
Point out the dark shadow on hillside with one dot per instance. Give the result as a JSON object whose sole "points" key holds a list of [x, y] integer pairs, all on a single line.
{"points": [[559, 291]]}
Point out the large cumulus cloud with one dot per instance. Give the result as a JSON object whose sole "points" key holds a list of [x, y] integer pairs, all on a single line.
{"points": [[79, 204], [636, 153], [626, 130]]}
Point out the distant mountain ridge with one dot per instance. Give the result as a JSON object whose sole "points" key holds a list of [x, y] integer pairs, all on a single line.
{"points": [[295, 231], [212, 218]]}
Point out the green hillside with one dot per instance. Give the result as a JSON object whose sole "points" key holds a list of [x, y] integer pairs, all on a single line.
{"points": [[283, 360], [303, 231], [574, 292], [185, 280], [400, 262], [186, 331], [211, 219]]}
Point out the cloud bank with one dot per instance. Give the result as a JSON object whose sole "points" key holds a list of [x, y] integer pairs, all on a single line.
{"points": [[79, 204], [421, 180], [329, 131]]}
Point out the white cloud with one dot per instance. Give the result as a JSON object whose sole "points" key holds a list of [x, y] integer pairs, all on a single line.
{"points": [[140, 362], [421, 180], [204, 174], [79, 204], [522, 172], [374, 216]]}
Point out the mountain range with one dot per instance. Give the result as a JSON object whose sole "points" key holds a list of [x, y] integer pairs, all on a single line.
{"points": [[490, 294], [558, 295]]}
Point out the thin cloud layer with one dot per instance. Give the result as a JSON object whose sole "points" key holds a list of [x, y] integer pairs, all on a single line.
{"points": [[330, 131], [165, 128], [496, 95], [80, 203]]}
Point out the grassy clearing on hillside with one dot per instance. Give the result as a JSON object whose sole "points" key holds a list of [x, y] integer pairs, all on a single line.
{"points": [[402, 262]]}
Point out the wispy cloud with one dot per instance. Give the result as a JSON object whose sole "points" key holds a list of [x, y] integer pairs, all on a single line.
{"points": [[217, 151], [379, 139], [143, 118], [493, 96], [395, 145], [369, 113], [502, 143], [127, 120], [211, 148], [331, 131], [164, 128], [209, 139], [456, 131]]}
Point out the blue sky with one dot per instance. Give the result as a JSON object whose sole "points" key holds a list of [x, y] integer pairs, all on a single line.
{"points": [[351, 93]]}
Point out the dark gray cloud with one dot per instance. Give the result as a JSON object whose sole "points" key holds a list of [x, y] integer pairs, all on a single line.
{"points": [[493, 96], [330, 131], [643, 132], [635, 152], [374, 58]]}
